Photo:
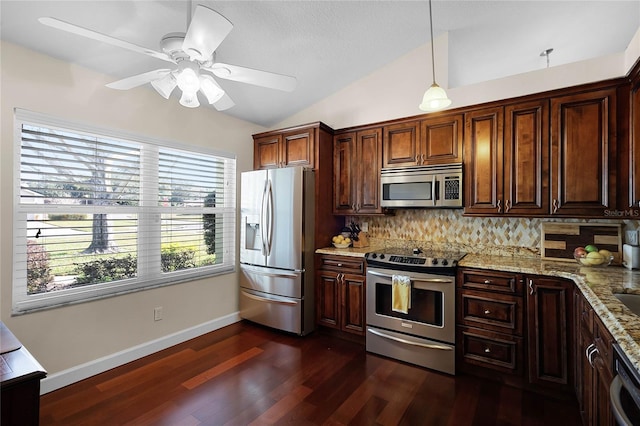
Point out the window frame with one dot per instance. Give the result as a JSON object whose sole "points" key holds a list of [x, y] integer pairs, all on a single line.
{"points": [[148, 212]]}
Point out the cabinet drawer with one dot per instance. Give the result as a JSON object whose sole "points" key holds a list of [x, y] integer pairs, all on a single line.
{"points": [[491, 350], [489, 311], [490, 280], [344, 264]]}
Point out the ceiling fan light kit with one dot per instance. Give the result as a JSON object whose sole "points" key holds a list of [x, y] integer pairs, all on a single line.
{"points": [[435, 98], [193, 52]]}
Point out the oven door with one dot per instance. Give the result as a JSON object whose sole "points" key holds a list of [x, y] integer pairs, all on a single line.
{"points": [[432, 311]]}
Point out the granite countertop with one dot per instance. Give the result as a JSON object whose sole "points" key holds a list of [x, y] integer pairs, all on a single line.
{"points": [[598, 286]]}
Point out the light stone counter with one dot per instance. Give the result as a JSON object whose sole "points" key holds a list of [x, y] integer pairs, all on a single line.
{"points": [[596, 284]]}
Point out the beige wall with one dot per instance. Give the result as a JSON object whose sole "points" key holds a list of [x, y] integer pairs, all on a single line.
{"points": [[395, 90], [66, 337]]}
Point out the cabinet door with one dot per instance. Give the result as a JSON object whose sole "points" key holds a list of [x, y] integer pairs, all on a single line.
{"points": [[549, 329], [266, 152], [526, 158], [483, 161], [401, 145], [298, 148], [344, 174], [583, 131], [353, 309], [327, 299], [369, 158], [441, 140]]}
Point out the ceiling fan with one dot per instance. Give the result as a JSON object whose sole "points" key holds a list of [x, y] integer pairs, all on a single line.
{"points": [[194, 54]]}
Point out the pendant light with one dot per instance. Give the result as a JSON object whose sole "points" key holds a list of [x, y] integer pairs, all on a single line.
{"points": [[435, 98]]}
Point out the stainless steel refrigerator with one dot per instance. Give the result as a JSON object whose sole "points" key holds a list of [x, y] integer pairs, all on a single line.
{"points": [[276, 248]]}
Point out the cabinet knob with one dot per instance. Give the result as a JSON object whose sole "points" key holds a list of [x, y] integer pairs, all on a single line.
{"points": [[339, 264], [487, 281], [487, 311], [487, 350]]}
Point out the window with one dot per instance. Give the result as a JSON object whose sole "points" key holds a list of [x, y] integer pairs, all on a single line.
{"points": [[99, 213]]}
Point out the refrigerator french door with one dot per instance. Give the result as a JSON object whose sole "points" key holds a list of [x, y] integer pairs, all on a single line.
{"points": [[276, 248]]}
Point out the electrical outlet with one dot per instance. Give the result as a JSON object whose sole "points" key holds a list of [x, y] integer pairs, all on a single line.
{"points": [[364, 227], [157, 313], [632, 237]]}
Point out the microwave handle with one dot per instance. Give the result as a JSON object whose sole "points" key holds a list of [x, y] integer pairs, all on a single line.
{"points": [[433, 190]]}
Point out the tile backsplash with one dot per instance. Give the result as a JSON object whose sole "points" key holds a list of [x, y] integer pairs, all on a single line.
{"points": [[448, 228]]}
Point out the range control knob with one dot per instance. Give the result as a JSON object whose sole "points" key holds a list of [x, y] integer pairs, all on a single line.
{"points": [[374, 255], [434, 261], [382, 256], [445, 262]]}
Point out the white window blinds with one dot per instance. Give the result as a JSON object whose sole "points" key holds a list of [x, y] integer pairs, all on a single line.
{"points": [[100, 212]]}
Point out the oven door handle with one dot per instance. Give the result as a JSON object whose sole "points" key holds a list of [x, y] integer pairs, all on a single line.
{"points": [[409, 342], [426, 280], [616, 406]]}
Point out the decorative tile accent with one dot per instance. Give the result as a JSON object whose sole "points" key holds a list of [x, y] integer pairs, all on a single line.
{"points": [[449, 229]]}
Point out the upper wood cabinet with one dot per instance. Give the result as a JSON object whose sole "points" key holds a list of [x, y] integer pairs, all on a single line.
{"points": [[286, 149], [307, 145], [483, 161], [435, 140], [356, 183], [526, 158], [583, 153]]}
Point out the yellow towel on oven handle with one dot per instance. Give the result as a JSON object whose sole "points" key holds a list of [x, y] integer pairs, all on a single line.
{"points": [[400, 294]]}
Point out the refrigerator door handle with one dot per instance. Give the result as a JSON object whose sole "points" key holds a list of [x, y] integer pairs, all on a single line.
{"points": [[263, 220], [271, 299], [270, 215]]}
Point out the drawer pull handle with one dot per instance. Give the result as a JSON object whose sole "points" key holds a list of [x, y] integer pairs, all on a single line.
{"points": [[340, 264], [487, 350], [487, 311], [487, 281]]}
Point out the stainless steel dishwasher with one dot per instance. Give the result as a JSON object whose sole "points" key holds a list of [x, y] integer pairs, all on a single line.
{"points": [[625, 390]]}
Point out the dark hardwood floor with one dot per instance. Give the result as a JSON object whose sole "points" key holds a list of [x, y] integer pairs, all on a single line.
{"points": [[246, 374]]}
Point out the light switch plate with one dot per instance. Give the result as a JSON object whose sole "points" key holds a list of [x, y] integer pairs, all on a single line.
{"points": [[632, 237]]}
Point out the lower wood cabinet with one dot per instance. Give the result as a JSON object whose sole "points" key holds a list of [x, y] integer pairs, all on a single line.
{"points": [[594, 366], [516, 328], [489, 327], [550, 332], [340, 293]]}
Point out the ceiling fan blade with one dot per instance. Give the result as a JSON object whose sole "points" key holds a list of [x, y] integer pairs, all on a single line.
{"points": [[256, 77], [138, 80], [225, 102], [94, 35], [205, 33]]}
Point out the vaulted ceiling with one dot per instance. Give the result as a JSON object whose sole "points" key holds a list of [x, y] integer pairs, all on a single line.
{"points": [[327, 45]]}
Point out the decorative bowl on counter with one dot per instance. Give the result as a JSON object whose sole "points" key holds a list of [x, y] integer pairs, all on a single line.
{"points": [[591, 256], [341, 245]]}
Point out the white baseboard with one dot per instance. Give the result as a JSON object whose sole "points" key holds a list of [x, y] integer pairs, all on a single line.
{"points": [[100, 365]]}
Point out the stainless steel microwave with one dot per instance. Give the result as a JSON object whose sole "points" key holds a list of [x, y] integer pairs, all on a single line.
{"points": [[422, 187]]}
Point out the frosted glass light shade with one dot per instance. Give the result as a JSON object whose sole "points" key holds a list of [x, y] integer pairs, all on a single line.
{"points": [[188, 77], [189, 99], [211, 89], [165, 85], [434, 99]]}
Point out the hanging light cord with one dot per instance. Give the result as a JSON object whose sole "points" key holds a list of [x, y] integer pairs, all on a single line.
{"points": [[433, 61]]}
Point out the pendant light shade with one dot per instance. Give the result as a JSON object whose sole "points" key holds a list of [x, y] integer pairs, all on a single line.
{"points": [[435, 98]]}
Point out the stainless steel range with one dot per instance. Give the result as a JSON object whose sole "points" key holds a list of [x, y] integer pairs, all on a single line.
{"points": [[411, 306]]}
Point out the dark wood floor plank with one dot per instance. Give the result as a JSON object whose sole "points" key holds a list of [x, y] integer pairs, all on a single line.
{"points": [[246, 374]]}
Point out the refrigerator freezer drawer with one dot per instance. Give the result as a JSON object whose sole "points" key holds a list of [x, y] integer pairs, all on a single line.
{"points": [[273, 311], [270, 280]]}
